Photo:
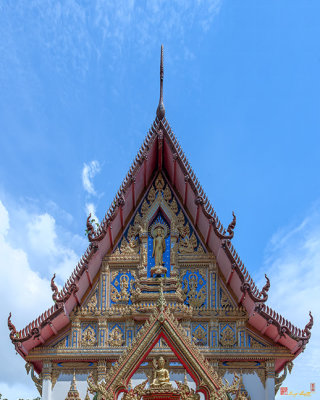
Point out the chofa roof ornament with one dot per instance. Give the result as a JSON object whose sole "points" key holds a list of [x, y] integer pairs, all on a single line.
{"points": [[161, 110]]}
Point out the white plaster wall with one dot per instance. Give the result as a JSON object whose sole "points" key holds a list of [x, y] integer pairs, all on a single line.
{"points": [[252, 384]]}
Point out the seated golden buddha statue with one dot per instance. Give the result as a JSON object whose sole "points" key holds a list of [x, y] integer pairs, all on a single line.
{"points": [[161, 376]]}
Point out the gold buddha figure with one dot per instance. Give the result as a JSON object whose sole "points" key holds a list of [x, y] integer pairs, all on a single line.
{"points": [[159, 246], [161, 376]]}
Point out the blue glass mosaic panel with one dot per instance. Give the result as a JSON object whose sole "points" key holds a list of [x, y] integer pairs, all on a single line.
{"points": [[199, 333], [192, 283], [122, 284]]}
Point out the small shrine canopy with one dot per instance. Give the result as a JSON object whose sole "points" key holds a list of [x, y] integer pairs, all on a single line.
{"points": [[161, 151]]}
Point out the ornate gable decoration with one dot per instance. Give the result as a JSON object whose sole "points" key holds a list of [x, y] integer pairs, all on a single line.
{"points": [[162, 325], [159, 214]]}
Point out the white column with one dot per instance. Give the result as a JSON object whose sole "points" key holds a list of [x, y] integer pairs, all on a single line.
{"points": [[46, 381], [270, 375]]}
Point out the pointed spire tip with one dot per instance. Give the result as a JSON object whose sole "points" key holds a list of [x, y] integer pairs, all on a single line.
{"points": [[161, 110]]}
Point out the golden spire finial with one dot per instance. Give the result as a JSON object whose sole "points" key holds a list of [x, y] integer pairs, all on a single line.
{"points": [[185, 378], [73, 391], [161, 110]]}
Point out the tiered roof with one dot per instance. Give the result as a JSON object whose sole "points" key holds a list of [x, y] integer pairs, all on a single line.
{"points": [[161, 151]]}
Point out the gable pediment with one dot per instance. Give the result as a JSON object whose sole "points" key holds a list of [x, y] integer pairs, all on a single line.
{"points": [[162, 325]]}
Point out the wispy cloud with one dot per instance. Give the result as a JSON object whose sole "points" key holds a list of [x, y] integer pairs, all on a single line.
{"points": [[293, 265], [88, 173], [91, 209], [71, 34]]}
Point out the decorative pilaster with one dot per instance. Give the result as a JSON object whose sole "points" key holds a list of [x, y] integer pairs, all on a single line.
{"points": [[46, 380], [76, 332], [104, 284], [129, 327], [174, 235], [213, 333], [101, 370], [240, 324], [270, 377], [102, 333], [144, 251], [212, 285]]}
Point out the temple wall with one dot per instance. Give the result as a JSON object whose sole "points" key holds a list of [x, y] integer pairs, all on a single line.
{"points": [[254, 386]]}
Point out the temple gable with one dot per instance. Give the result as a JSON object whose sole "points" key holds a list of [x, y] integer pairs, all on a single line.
{"points": [[160, 305]]}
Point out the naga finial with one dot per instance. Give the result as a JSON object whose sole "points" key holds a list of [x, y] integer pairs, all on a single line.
{"points": [[232, 225], [90, 229], [309, 325], [54, 289], [12, 328], [161, 110], [265, 288], [55, 293]]}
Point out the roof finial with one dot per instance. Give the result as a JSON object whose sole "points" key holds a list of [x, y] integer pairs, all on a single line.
{"points": [[160, 110]]}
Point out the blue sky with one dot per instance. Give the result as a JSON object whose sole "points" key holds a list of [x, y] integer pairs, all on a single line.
{"points": [[79, 83]]}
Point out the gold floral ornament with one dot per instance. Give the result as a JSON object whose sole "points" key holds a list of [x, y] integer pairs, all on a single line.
{"points": [[225, 302], [167, 194], [188, 245], [186, 392], [144, 208], [199, 336], [93, 301], [130, 246], [195, 298], [174, 206], [227, 337], [116, 337], [151, 195], [159, 183], [88, 337]]}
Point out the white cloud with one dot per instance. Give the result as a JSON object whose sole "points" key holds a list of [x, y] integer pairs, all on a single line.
{"points": [[42, 234], [88, 173], [25, 294], [26, 266], [293, 266], [91, 209]]}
